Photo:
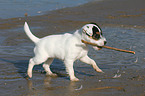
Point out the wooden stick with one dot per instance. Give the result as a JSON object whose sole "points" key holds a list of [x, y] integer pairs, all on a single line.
{"points": [[93, 44]]}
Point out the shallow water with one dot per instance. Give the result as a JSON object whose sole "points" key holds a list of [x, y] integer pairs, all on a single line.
{"points": [[125, 38], [14, 61]]}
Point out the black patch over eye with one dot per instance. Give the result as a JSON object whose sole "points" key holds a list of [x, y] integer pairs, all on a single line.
{"points": [[97, 26], [96, 33]]}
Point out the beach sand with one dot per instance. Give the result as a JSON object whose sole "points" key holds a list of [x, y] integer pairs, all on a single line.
{"points": [[124, 73]]}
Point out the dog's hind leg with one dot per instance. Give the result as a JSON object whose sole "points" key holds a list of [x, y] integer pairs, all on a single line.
{"points": [[30, 67], [90, 61], [35, 61], [70, 70], [46, 66]]}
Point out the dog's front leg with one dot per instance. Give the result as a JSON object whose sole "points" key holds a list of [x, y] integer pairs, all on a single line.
{"points": [[90, 61], [70, 69]]}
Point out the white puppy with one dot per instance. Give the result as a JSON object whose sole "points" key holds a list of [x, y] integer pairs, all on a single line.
{"points": [[67, 47]]}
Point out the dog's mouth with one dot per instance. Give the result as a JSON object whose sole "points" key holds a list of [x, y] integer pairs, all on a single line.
{"points": [[99, 47]]}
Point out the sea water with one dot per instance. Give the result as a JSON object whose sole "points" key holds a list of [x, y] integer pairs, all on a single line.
{"points": [[17, 8]]}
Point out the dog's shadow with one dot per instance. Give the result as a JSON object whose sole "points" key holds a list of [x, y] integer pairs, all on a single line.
{"points": [[21, 65], [57, 67]]}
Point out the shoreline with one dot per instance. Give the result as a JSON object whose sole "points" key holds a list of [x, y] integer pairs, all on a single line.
{"points": [[113, 13], [33, 8]]}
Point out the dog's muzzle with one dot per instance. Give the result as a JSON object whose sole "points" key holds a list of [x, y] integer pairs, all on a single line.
{"points": [[100, 47]]}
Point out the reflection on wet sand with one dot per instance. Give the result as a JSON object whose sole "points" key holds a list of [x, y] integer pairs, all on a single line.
{"points": [[50, 86]]}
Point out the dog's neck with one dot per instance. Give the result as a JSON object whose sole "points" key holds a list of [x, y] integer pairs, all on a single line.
{"points": [[78, 34]]}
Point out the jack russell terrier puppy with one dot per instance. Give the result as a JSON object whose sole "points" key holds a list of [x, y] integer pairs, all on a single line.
{"points": [[67, 47]]}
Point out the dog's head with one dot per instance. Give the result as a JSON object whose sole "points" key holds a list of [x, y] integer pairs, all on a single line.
{"points": [[93, 33]]}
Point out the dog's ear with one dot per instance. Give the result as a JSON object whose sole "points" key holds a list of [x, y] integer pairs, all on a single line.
{"points": [[84, 31], [94, 23]]}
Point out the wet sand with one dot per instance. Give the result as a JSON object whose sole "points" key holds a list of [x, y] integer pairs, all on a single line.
{"points": [[122, 22]]}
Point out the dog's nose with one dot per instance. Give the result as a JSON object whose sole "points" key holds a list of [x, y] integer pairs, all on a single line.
{"points": [[105, 42]]}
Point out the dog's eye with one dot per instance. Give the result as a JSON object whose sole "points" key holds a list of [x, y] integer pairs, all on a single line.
{"points": [[96, 35], [87, 26]]}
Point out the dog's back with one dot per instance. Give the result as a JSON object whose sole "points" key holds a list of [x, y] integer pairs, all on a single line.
{"points": [[54, 45]]}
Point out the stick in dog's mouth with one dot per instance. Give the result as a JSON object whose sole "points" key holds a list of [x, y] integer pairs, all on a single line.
{"points": [[93, 44], [100, 47]]}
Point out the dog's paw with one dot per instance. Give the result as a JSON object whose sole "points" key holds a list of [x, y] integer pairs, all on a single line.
{"points": [[74, 79], [29, 75], [99, 70]]}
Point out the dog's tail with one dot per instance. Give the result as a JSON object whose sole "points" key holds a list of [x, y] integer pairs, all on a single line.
{"points": [[29, 33]]}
